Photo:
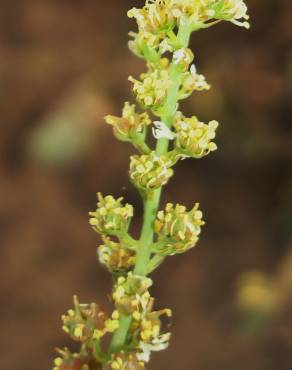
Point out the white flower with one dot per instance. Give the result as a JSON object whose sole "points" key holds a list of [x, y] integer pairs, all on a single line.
{"points": [[179, 56], [193, 69], [161, 131], [164, 46], [237, 10], [157, 344], [201, 82], [183, 56]]}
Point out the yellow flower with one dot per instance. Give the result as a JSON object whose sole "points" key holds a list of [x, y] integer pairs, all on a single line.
{"points": [[111, 217], [194, 138], [115, 256], [150, 171], [192, 81], [151, 90], [177, 229], [125, 361], [130, 124], [158, 17]]}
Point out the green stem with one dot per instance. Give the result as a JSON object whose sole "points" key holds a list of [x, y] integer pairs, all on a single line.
{"points": [[144, 252], [120, 335], [142, 147], [184, 33], [151, 203]]}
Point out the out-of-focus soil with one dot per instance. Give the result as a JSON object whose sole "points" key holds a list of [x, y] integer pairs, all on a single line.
{"points": [[67, 61]]}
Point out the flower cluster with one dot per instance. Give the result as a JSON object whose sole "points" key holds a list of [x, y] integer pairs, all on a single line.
{"points": [[151, 89], [75, 361], [125, 361], [194, 138], [131, 297], [153, 17], [177, 229], [87, 322], [151, 171], [147, 330], [116, 257], [203, 11], [130, 125], [158, 18], [111, 217], [232, 11], [154, 23]]}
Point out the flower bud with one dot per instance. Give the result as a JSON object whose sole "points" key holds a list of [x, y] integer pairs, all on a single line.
{"points": [[137, 44], [153, 17], [84, 321], [150, 171], [130, 124], [111, 217], [194, 138], [75, 361], [115, 257], [177, 229]]}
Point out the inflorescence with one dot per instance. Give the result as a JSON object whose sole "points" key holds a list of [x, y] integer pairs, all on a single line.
{"points": [[134, 329]]}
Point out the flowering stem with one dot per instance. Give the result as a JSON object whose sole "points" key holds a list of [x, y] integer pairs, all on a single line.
{"points": [[151, 204], [162, 40]]}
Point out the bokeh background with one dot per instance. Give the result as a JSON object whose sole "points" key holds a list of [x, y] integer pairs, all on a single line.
{"points": [[63, 66]]}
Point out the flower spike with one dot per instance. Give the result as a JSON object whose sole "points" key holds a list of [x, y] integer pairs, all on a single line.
{"points": [[134, 328]]}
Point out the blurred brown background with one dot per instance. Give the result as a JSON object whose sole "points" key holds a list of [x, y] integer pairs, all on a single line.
{"points": [[63, 66]]}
